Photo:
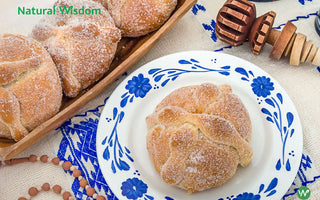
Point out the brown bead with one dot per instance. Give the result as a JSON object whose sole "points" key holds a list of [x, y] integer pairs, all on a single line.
{"points": [[76, 173], [101, 198], [22, 198], [90, 191], [57, 189], [46, 187], [66, 165], [44, 158], [33, 191], [83, 183], [66, 195], [55, 161], [33, 158]]}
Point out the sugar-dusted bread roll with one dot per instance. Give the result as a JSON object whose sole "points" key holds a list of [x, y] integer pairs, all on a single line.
{"points": [[30, 88], [198, 135], [82, 46], [103, 2], [139, 17]]}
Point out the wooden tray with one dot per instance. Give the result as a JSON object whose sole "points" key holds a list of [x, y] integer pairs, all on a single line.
{"points": [[128, 53]]}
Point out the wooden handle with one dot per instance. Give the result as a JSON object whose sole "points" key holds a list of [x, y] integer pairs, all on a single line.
{"points": [[273, 36]]}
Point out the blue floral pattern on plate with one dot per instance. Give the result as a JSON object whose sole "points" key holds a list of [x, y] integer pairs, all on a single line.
{"points": [[269, 97], [270, 190], [247, 196], [137, 87], [133, 188], [262, 86]]}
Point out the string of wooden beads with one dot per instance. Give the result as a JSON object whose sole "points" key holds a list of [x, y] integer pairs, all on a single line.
{"points": [[66, 165], [33, 191]]}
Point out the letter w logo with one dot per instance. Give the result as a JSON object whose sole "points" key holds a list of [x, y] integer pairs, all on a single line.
{"points": [[303, 193]]}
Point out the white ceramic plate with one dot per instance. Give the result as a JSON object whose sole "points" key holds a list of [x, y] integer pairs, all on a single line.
{"points": [[276, 139]]}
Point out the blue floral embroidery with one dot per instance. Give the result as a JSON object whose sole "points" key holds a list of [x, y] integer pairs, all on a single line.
{"points": [[139, 86], [296, 19], [303, 1], [211, 27], [305, 162], [223, 48], [197, 7], [133, 188], [208, 27], [78, 145], [262, 86], [248, 196]]}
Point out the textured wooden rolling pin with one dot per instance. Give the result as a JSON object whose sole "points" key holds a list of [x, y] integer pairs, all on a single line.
{"points": [[236, 22]]}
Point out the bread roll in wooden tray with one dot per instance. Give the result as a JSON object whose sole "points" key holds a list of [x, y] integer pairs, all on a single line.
{"points": [[129, 51]]}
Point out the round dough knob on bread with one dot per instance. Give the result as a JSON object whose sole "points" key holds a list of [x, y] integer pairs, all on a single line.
{"points": [[198, 135], [140, 17], [30, 87], [82, 46]]}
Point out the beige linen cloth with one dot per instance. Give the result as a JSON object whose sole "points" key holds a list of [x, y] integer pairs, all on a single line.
{"points": [[195, 31]]}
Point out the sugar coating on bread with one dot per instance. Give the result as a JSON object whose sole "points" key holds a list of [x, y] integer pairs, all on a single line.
{"points": [[139, 17], [103, 2], [30, 87], [82, 46], [195, 141]]}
